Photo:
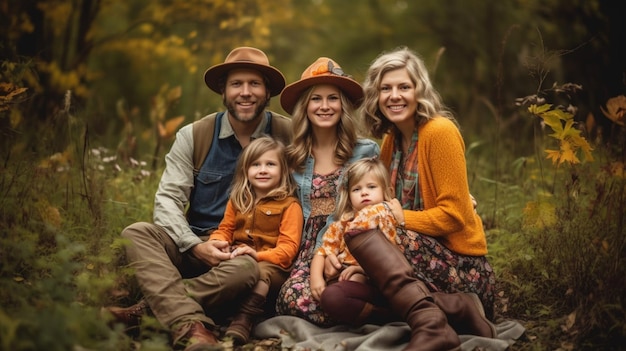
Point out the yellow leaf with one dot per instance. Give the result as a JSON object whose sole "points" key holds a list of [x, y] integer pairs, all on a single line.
{"points": [[567, 153], [18, 279], [536, 110], [553, 155]]}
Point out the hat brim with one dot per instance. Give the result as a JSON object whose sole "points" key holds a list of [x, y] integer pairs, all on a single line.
{"points": [[349, 87], [213, 75]]}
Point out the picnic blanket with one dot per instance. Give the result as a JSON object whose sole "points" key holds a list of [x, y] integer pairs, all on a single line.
{"points": [[298, 334]]}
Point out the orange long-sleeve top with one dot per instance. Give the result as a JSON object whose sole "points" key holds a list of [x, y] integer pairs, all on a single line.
{"points": [[272, 228], [448, 213]]}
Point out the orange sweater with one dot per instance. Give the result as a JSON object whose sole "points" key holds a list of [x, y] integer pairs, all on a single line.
{"points": [[274, 230], [448, 212]]}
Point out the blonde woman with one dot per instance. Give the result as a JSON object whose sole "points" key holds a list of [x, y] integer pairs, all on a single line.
{"points": [[325, 140]]}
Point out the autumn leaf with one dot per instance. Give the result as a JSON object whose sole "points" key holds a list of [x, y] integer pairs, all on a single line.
{"points": [[616, 109], [537, 110], [171, 126], [568, 153]]}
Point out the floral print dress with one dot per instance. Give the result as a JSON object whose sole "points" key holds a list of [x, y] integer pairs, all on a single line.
{"points": [[294, 297]]}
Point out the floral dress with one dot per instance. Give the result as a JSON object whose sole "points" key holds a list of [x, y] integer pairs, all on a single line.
{"points": [[294, 297]]}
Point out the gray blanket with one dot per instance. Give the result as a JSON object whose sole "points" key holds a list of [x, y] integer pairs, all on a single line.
{"points": [[298, 334]]}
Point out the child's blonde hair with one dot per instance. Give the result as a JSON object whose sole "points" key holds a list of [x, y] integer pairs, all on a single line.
{"points": [[353, 174], [242, 194]]}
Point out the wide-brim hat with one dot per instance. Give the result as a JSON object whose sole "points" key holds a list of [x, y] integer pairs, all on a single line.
{"points": [[249, 58], [323, 71]]}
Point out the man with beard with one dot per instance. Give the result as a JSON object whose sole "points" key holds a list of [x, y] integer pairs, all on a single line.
{"points": [[181, 274]]}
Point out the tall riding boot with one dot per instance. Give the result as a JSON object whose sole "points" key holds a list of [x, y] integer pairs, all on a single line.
{"points": [[356, 303], [389, 270], [465, 314], [241, 325]]}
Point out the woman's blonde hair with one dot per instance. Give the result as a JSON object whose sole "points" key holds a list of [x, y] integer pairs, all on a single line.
{"points": [[302, 143], [429, 103], [242, 194], [353, 174]]}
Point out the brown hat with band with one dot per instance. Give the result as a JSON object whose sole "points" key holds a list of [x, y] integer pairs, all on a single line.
{"points": [[323, 71], [245, 57]]}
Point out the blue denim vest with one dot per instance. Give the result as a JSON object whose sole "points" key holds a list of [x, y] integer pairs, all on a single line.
{"points": [[211, 190]]}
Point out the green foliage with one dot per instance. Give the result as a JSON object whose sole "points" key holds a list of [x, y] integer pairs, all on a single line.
{"points": [[559, 253], [61, 216]]}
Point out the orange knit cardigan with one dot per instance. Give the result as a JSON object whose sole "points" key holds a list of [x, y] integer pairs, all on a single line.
{"points": [[448, 213]]}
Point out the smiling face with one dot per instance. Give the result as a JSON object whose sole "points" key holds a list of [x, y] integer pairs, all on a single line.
{"points": [[264, 173], [245, 94], [396, 98], [324, 106], [367, 191]]}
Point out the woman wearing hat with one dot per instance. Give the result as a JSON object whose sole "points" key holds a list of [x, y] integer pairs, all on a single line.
{"points": [[325, 141]]}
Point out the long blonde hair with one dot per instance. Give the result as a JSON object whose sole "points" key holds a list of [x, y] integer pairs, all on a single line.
{"points": [[353, 174], [302, 143], [242, 194], [429, 103]]}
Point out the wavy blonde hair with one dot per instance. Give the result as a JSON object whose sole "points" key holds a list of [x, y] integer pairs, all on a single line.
{"points": [[242, 194], [302, 143], [429, 103], [353, 174]]}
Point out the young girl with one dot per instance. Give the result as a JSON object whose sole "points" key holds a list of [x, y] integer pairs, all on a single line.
{"points": [[365, 202], [263, 219]]}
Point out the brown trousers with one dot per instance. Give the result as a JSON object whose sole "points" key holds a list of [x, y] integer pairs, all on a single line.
{"points": [[177, 286]]}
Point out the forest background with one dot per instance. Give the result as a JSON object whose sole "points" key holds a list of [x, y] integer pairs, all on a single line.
{"points": [[92, 92]]}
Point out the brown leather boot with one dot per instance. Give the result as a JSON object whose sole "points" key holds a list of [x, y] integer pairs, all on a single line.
{"points": [[241, 325], [196, 337], [465, 314], [130, 316], [393, 275]]}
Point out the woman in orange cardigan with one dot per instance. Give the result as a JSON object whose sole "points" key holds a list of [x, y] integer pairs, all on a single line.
{"points": [[440, 275], [263, 219]]}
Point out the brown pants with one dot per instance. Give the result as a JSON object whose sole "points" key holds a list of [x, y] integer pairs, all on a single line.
{"points": [[177, 286]]}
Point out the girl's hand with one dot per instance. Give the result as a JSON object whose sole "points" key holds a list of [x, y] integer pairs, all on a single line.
{"points": [[317, 287], [243, 250], [396, 209], [350, 271], [211, 252], [331, 266]]}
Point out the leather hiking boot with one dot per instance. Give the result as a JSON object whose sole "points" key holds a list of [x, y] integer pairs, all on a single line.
{"points": [[197, 337], [241, 325], [128, 316]]}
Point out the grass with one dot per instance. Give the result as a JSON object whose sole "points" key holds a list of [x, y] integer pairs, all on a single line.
{"points": [[556, 240]]}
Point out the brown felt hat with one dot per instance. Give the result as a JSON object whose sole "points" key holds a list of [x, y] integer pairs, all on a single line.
{"points": [[323, 71], [245, 57]]}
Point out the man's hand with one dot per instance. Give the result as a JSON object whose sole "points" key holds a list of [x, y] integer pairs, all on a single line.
{"points": [[332, 266], [212, 252]]}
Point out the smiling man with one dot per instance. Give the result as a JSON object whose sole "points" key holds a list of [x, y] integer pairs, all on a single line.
{"points": [[181, 274]]}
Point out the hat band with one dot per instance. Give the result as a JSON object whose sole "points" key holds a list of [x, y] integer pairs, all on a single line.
{"points": [[329, 69]]}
